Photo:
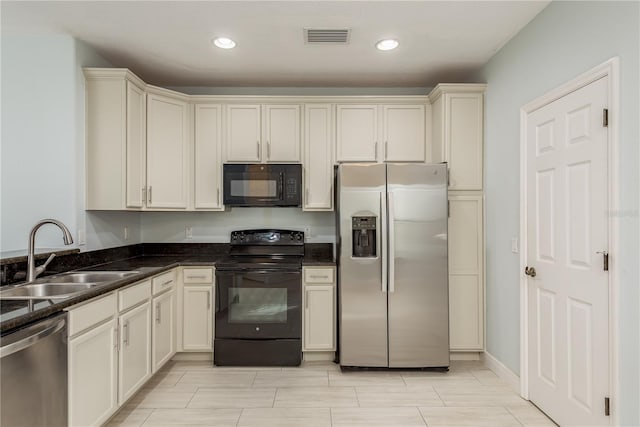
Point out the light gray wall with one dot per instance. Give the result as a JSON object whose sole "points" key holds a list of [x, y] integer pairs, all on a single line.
{"points": [[563, 41], [43, 144]]}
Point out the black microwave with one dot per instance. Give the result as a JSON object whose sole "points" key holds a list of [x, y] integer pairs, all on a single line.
{"points": [[262, 184]]}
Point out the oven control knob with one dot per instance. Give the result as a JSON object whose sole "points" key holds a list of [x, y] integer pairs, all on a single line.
{"points": [[298, 236], [257, 328]]}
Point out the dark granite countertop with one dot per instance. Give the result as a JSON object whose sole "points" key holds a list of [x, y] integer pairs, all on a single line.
{"points": [[148, 265]]}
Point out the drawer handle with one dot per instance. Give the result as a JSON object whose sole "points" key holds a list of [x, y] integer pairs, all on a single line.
{"points": [[168, 282], [196, 277], [315, 276]]}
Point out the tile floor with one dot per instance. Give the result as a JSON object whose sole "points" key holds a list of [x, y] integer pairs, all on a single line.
{"points": [[319, 394]]}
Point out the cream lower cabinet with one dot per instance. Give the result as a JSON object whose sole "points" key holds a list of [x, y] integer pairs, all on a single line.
{"points": [[134, 362], [197, 311], [466, 272], [163, 329], [93, 362], [319, 301]]}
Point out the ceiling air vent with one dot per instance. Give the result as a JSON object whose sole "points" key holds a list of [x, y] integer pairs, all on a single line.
{"points": [[326, 36]]}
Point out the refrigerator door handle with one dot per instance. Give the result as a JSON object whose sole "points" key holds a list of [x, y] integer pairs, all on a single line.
{"points": [[392, 246], [383, 241]]}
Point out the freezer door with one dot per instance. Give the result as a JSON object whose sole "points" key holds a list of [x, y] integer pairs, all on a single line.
{"points": [[418, 276], [362, 280]]}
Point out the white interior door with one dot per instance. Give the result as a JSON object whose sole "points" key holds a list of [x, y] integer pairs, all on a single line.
{"points": [[567, 227]]}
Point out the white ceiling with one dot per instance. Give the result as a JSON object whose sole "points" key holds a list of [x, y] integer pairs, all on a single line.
{"points": [[168, 43]]}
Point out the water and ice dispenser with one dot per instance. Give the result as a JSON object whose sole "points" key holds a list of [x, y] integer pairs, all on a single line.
{"points": [[363, 229]]}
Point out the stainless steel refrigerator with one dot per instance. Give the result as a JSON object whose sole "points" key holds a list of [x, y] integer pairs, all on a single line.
{"points": [[392, 265]]}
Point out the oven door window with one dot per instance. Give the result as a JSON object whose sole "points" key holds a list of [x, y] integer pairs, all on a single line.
{"points": [[258, 305]]}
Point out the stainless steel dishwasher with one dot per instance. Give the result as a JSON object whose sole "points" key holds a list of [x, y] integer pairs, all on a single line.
{"points": [[33, 366]]}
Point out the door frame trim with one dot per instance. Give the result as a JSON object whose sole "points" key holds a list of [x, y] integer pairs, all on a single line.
{"points": [[610, 69]]}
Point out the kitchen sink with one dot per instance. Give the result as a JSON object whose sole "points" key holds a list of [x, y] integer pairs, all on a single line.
{"points": [[45, 290], [89, 276]]}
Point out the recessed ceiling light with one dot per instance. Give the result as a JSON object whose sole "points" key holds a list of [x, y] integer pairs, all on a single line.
{"points": [[224, 43], [387, 44]]}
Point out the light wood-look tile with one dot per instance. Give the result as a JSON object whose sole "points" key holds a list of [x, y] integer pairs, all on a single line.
{"points": [[233, 398], [193, 417], [477, 396], [285, 417], [129, 416], [359, 378], [319, 393], [318, 397], [214, 378], [529, 415], [396, 417], [375, 397], [477, 416], [300, 378], [160, 398]]}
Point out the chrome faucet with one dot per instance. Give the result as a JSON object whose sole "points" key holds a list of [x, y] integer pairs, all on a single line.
{"points": [[32, 271]]}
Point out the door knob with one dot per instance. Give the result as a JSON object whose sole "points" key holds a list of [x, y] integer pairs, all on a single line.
{"points": [[530, 271]]}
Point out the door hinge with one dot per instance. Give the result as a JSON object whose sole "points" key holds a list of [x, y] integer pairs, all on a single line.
{"points": [[605, 117], [607, 406], [605, 260]]}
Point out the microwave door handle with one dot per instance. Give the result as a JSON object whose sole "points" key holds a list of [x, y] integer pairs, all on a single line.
{"points": [[281, 195]]}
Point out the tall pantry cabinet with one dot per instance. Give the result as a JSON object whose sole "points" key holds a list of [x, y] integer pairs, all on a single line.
{"points": [[457, 135]]}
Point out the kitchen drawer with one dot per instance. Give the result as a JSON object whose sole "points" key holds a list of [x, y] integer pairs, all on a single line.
{"points": [[92, 313], [197, 275], [133, 295], [319, 275], [163, 282]]}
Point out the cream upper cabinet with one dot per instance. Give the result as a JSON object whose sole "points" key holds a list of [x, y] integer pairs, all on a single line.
{"points": [[458, 114], [115, 139], [167, 152], [208, 157], [263, 133], [318, 158], [243, 133], [136, 145], [319, 301], [404, 133], [466, 272], [356, 133], [281, 141]]}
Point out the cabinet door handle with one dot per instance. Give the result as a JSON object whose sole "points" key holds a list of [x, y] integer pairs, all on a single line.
{"points": [[258, 148], [150, 188], [208, 300], [375, 150], [144, 195], [157, 312], [115, 338], [306, 300], [125, 333], [268, 150], [218, 196], [386, 150]]}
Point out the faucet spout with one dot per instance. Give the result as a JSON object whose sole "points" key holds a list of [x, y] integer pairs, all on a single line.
{"points": [[32, 271]]}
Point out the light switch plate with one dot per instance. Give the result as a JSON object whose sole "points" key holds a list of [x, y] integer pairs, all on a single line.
{"points": [[514, 245]]}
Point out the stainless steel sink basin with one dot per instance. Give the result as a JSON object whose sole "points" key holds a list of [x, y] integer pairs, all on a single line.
{"points": [[45, 290], [89, 276]]}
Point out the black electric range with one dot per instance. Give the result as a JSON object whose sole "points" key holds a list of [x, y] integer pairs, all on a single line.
{"points": [[259, 299]]}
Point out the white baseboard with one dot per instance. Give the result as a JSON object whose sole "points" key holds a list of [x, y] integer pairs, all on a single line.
{"points": [[505, 374], [193, 356], [464, 355], [312, 356]]}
